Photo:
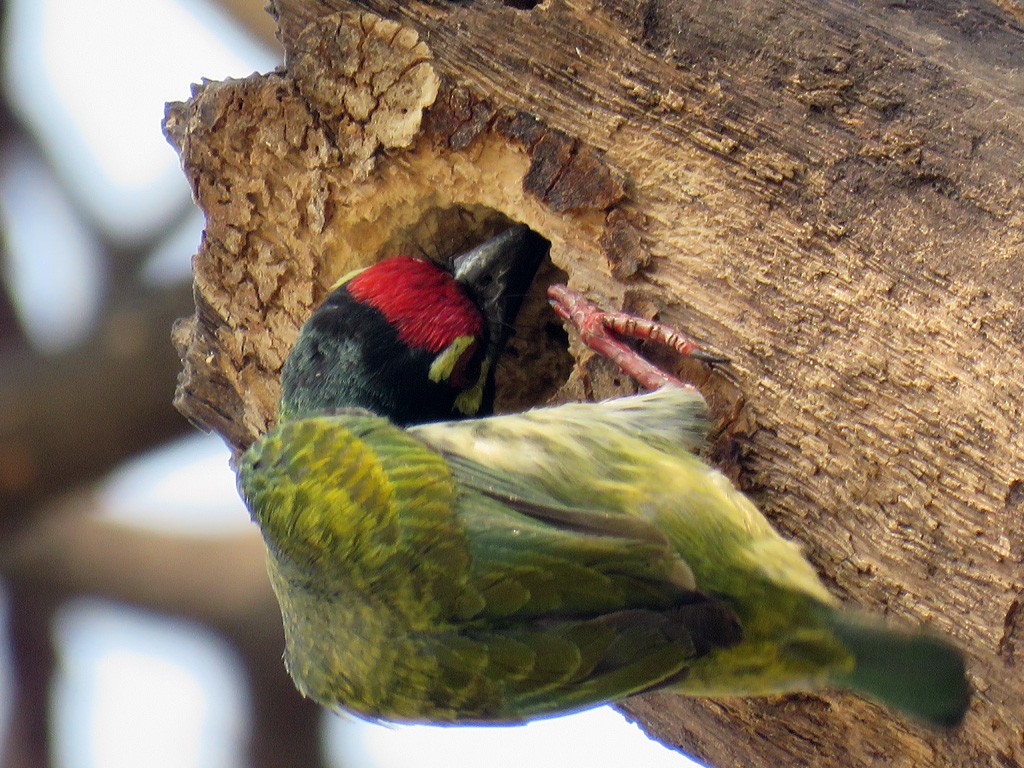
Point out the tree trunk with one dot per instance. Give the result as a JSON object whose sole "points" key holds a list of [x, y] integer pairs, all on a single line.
{"points": [[828, 191]]}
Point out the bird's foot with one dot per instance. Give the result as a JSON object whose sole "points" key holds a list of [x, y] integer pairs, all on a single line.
{"points": [[602, 332]]}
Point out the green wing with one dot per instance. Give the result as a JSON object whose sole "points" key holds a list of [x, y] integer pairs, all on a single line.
{"points": [[347, 501], [576, 606], [420, 586], [670, 419], [596, 455], [543, 496]]}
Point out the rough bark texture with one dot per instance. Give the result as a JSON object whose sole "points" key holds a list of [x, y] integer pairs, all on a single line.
{"points": [[829, 191]]}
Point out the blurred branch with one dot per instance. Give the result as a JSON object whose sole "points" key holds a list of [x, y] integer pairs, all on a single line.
{"points": [[286, 726], [27, 741], [69, 552], [11, 130], [11, 335], [69, 418]]}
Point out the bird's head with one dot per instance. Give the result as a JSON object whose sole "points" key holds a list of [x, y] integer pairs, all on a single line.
{"points": [[411, 340]]}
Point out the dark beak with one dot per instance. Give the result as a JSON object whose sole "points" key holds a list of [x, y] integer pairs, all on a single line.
{"points": [[497, 274]]}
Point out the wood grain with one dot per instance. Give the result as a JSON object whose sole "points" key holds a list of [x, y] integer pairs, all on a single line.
{"points": [[830, 192]]}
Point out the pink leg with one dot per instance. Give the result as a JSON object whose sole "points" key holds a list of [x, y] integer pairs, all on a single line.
{"points": [[598, 330]]}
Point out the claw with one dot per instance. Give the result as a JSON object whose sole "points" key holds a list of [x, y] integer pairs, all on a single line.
{"points": [[598, 330]]}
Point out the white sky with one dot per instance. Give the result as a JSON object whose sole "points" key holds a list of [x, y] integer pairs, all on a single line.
{"points": [[63, 59]]}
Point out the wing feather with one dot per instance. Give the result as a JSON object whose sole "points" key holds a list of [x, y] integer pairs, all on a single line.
{"points": [[433, 587]]}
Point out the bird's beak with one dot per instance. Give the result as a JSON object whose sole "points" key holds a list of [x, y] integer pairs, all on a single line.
{"points": [[497, 274]]}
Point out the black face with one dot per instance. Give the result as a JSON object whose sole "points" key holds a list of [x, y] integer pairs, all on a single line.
{"points": [[349, 356]]}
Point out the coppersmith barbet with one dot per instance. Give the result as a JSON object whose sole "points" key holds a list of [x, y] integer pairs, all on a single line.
{"points": [[410, 339], [504, 568]]}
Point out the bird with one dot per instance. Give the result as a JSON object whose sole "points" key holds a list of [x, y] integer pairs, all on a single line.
{"points": [[412, 338], [498, 569]]}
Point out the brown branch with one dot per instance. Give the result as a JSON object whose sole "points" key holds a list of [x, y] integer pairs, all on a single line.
{"points": [[830, 191]]}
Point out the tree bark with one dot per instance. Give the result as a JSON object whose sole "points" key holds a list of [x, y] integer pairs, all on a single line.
{"points": [[828, 191]]}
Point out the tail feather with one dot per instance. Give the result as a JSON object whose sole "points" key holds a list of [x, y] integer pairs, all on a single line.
{"points": [[915, 672]]}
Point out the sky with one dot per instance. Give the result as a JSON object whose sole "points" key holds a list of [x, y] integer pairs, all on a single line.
{"points": [[137, 689]]}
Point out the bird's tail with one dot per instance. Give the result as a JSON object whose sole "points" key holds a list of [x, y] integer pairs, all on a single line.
{"points": [[913, 671]]}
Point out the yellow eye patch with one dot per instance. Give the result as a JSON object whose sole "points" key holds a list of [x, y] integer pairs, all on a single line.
{"points": [[443, 365], [346, 277]]}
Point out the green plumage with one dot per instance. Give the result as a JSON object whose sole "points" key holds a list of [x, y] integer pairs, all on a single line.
{"points": [[519, 566]]}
